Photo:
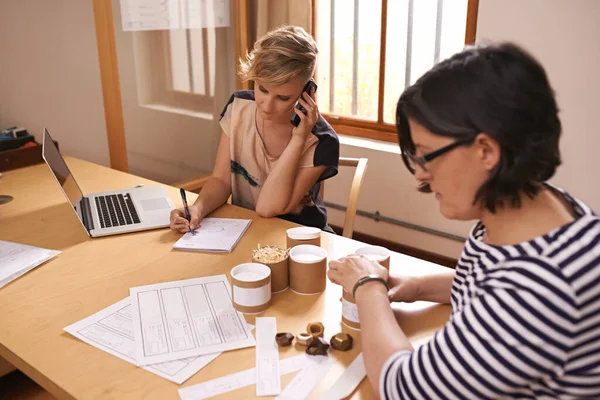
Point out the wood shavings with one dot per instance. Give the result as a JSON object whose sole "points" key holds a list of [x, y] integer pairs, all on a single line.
{"points": [[269, 254]]}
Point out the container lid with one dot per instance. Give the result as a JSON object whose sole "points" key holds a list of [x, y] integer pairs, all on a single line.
{"points": [[303, 233], [307, 254], [250, 272], [376, 253]]}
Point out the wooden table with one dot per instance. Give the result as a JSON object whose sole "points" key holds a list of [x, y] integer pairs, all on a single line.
{"points": [[92, 274]]}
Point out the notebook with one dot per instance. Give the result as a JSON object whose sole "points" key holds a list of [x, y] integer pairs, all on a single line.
{"points": [[214, 235]]}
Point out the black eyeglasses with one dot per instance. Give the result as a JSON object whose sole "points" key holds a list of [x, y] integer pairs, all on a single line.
{"points": [[412, 161]]}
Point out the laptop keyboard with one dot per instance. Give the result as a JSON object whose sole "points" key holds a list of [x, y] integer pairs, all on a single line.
{"points": [[116, 210]]}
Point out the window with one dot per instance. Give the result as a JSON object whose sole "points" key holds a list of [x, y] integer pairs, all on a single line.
{"points": [[370, 50], [191, 60], [176, 70]]}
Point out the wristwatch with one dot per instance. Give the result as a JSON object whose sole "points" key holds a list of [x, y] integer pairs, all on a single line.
{"points": [[368, 278]]}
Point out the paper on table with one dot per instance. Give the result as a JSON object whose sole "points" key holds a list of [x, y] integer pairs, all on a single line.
{"points": [[268, 382], [17, 259], [238, 380], [303, 383], [348, 381], [214, 235], [111, 330], [174, 320]]}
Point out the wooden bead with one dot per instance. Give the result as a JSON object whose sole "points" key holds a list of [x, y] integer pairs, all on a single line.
{"points": [[284, 339], [342, 341], [315, 329], [317, 346], [302, 338]]}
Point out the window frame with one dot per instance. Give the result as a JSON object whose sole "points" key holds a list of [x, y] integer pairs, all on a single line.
{"points": [[380, 130]]}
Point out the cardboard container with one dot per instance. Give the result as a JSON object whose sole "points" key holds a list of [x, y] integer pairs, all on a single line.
{"points": [[308, 269], [303, 235], [251, 287], [280, 274], [376, 253], [350, 311]]}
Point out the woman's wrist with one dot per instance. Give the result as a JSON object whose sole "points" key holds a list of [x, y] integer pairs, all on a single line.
{"points": [[416, 282], [370, 288], [198, 207], [297, 141]]}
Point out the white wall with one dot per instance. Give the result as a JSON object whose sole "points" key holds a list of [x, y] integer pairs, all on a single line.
{"points": [[564, 35], [50, 76]]}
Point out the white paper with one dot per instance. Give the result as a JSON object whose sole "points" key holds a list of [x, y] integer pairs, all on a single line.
{"points": [[348, 381], [214, 234], [268, 382], [238, 380], [17, 259], [180, 319], [111, 330], [303, 383], [252, 297], [140, 15]]}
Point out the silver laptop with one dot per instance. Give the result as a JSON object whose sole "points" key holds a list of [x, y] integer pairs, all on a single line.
{"points": [[110, 213]]}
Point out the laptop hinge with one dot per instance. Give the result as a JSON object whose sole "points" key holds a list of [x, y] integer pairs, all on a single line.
{"points": [[86, 213]]}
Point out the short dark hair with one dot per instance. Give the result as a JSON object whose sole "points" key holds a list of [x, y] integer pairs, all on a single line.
{"points": [[498, 89]]}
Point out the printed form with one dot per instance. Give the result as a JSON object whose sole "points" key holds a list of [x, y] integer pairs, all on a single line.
{"points": [[111, 330], [180, 319]]}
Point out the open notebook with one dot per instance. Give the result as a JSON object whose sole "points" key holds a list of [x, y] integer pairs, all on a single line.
{"points": [[214, 234]]}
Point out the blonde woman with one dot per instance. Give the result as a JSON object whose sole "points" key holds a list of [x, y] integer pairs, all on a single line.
{"points": [[265, 162]]}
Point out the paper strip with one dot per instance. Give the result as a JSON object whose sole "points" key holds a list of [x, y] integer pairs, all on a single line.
{"points": [[268, 382], [238, 380], [348, 381], [303, 383]]}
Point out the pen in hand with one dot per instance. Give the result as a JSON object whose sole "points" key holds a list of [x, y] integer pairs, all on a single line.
{"points": [[186, 208]]}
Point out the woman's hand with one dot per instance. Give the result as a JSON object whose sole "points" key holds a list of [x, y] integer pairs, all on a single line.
{"points": [[348, 270], [403, 289], [180, 224], [308, 121]]}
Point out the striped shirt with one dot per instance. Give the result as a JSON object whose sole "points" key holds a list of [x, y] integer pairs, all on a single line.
{"points": [[525, 322]]}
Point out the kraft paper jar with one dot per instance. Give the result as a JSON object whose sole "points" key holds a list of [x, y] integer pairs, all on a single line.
{"points": [[308, 269], [303, 235], [350, 311], [376, 253], [280, 277], [251, 287]]}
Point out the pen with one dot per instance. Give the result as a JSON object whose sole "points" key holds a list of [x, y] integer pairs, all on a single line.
{"points": [[186, 208]]}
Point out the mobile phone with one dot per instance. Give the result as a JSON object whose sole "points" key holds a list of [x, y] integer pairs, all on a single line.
{"points": [[307, 88]]}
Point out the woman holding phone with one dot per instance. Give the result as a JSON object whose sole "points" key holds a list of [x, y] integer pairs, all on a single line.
{"points": [[264, 160]]}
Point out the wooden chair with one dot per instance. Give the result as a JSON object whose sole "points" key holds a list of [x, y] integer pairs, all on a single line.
{"points": [[192, 185], [196, 184], [359, 175]]}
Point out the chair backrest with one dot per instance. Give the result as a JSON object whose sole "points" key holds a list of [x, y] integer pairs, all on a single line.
{"points": [[195, 185], [359, 174]]}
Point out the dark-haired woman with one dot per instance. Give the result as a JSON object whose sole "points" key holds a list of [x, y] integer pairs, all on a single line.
{"points": [[481, 131]]}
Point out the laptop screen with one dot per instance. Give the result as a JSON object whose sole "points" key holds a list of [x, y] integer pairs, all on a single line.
{"points": [[60, 170]]}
